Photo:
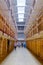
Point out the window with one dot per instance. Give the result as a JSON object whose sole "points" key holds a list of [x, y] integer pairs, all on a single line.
{"points": [[20, 15], [21, 2], [20, 27], [20, 20], [21, 9]]}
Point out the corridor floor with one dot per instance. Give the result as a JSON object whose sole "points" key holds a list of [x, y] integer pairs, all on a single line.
{"points": [[20, 57]]}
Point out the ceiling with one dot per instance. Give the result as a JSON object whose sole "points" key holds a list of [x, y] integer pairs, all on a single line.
{"points": [[21, 10], [19, 13]]}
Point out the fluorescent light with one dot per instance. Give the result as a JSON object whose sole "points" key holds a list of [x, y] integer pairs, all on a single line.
{"points": [[21, 2], [20, 20], [20, 15], [21, 9]]}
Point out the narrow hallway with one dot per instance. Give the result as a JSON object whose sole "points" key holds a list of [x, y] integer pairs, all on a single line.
{"points": [[21, 26], [20, 56]]}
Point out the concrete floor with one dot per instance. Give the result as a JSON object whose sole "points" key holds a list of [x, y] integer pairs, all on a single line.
{"points": [[20, 57]]}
